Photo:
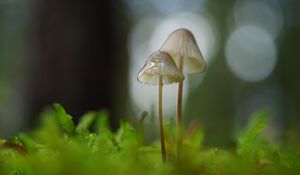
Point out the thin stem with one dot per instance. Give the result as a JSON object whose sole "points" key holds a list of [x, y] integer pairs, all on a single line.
{"points": [[179, 111], [161, 124]]}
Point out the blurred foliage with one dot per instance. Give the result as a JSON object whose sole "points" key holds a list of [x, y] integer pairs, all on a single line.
{"points": [[60, 147]]}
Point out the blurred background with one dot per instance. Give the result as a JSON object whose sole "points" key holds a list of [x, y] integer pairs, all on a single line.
{"points": [[86, 56]]}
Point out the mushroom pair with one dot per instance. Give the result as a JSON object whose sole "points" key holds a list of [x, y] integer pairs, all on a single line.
{"points": [[179, 54]]}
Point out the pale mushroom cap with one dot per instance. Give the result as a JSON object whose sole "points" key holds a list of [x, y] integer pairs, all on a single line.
{"points": [[182, 44], [160, 64]]}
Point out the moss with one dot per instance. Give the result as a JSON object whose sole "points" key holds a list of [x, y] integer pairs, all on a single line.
{"points": [[60, 147]]}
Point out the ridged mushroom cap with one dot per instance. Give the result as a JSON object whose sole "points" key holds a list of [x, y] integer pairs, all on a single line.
{"points": [[182, 43], [160, 64]]}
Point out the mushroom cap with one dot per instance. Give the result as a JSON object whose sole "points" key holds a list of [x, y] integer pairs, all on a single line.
{"points": [[182, 43], [160, 64]]}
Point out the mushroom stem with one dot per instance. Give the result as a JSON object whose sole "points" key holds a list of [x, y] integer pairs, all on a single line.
{"points": [[179, 110], [162, 138]]}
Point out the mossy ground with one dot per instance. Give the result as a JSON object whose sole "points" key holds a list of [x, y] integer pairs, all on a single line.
{"points": [[60, 147]]}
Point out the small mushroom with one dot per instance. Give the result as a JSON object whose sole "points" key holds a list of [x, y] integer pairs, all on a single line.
{"points": [[160, 69], [183, 48]]}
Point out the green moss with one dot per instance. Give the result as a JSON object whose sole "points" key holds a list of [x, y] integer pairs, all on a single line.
{"points": [[60, 147]]}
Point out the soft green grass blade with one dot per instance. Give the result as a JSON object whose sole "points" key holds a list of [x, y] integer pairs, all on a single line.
{"points": [[27, 141], [256, 125], [85, 123], [102, 124], [64, 119]]}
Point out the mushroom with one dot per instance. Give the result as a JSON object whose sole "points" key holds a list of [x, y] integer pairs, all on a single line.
{"points": [[183, 48], [160, 69]]}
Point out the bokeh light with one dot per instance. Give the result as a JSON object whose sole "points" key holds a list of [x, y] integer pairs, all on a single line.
{"points": [[264, 14], [175, 6], [250, 53]]}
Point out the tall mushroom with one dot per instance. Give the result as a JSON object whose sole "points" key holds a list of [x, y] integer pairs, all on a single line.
{"points": [[183, 48], [160, 69]]}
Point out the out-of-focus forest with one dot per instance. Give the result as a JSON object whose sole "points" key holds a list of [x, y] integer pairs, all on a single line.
{"points": [[86, 56]]}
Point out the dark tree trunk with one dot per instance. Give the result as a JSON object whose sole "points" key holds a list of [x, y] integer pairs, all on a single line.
{"points": [[74, 58]]}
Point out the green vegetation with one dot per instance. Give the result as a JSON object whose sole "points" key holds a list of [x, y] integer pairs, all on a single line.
{"points": [[60, 147]]}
